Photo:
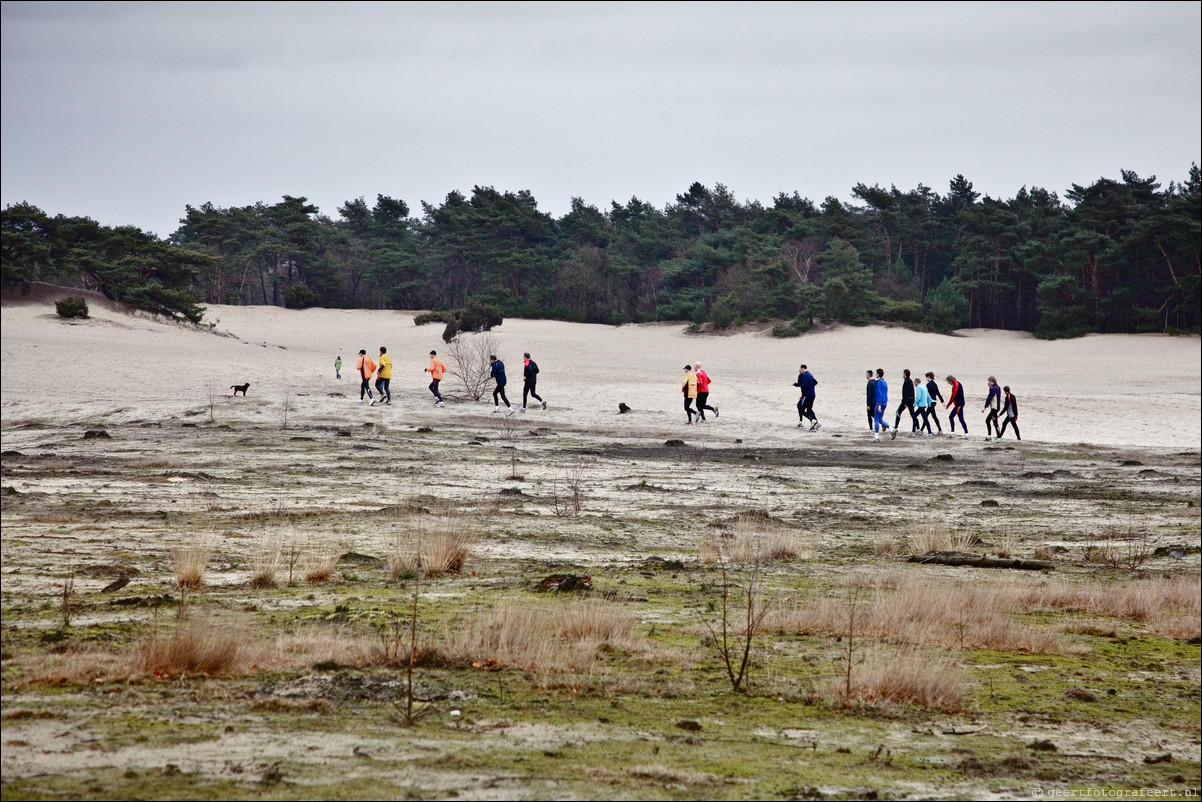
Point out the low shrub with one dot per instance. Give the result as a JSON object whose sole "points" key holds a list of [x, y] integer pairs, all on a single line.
{"points": [[71, 307]]}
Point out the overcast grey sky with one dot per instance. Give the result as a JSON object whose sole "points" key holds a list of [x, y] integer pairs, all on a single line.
{"points": [[125, 112]]}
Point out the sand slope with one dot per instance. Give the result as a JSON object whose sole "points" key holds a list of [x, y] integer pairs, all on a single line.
{"points": [[119, 367]]}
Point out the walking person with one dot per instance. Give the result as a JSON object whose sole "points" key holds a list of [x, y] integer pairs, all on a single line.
{"points": [[922, 404], [366, 368], [1010, 409], [384, 376], [688, 388], [529, 380], [805, 405], [437, 370], [907, 403], [338, 367], [935, 396], [870, 397], [993, 403], [955, 400], [703, 392], [498, 375], [881, 408]]}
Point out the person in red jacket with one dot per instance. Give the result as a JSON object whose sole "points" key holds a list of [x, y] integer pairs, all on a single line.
{"points": [[955, 400], [703, 392]]}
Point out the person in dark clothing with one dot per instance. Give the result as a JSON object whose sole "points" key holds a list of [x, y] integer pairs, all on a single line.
{"points": [[498, 375], [907, 403], [805, 406], [1010, 410], [955, 400], [993, 403], [936, 398], [529, 380], [870, 397]]}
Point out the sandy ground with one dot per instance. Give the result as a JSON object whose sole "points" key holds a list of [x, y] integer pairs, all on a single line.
{"points": [[1140, 390], [1111, 429]]}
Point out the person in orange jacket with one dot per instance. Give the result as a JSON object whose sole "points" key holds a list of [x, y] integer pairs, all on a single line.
{"points": [[366, 368], [437, 370]]}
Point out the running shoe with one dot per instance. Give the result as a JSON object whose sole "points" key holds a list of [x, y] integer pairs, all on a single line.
{"points": [[544, 405]]}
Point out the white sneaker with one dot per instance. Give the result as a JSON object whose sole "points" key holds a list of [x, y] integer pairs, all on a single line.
{"points": [[876, 438], [373, 403], [495, 410], [510, 411], [360, 400], [442, 403], [523, 410], [965, 435], [544, 405]]}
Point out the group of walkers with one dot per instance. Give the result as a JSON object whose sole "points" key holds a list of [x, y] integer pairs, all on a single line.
{"points": [[921, 400], [366, 367]]}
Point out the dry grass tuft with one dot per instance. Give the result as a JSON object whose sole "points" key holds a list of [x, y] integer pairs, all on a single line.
{"points": [[929, 535], [404, 556], [884, 545], [547, 636], [923, 612], [276, 704], [264, 564], [755, 541], [72, 667], [1007, 545], [318, 560], [447, 545], [195, 647], [190, 562], [906, 677]]}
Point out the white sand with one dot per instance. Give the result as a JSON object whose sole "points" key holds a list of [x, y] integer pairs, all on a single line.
{"points": [[1140, 390]]}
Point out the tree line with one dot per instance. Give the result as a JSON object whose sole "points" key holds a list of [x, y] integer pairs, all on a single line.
{"points": [[1114, 256]]}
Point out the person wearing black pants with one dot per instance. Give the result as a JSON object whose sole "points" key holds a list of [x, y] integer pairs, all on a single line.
{"points": [[870, 397], [805, 406], [1010, 408], [530, 379], [907, 402], [992, 403], [936, 397], [498, 375]]}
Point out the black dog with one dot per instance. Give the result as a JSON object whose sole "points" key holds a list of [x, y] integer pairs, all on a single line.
{"points": [[240, 388]]}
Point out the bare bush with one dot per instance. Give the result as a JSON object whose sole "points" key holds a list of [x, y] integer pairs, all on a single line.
{"points": [[468, 357], [572, 502]]}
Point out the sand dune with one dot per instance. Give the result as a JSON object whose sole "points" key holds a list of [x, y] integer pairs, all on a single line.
{"points": [[119, 367]]}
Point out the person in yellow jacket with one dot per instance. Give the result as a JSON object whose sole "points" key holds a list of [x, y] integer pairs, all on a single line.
{"points": [[366, 368], [384, 377], [437, 370], [689, 388]]}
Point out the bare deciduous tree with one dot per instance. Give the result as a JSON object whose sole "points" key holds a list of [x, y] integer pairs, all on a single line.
{"points": [[468, 355]]}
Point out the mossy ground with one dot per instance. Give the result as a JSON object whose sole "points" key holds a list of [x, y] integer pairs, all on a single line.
{"points": [[656, 721]]}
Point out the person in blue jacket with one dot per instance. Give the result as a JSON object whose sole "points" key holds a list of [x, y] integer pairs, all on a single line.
{"points": [[805, 406], [922, 404], [881, 406], [498, 375]]}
